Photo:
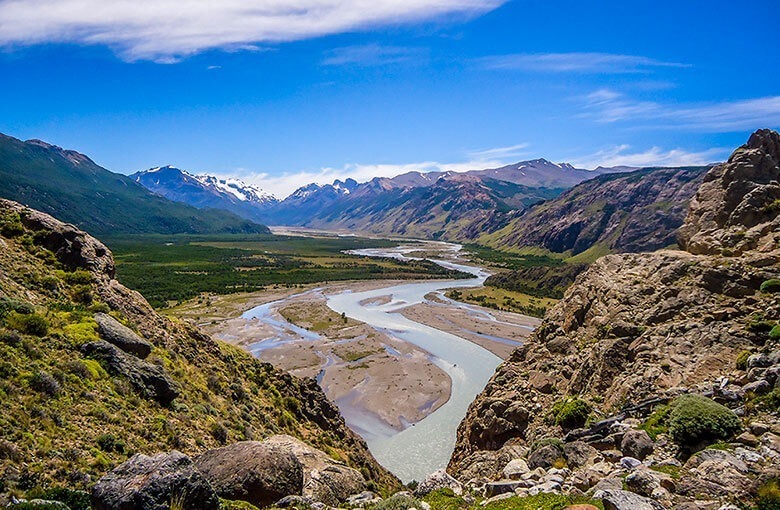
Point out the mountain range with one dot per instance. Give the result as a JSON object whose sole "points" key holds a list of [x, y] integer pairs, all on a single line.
{"points": [[72, 187]]}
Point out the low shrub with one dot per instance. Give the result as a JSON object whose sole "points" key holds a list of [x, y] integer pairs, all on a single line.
{"points": [[774, 333], [110, 443], [656, 423], [742, 359], [571, 412], [76, 500], [694, 419], [772, 285], [398, 502], [31, 324], [44, 382], [769, 496]]}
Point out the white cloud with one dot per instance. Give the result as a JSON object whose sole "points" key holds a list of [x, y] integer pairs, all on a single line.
{"points": [[608, 106], [372, 55], [621, 155], [165, 30], [500, 152], [576, 63]]}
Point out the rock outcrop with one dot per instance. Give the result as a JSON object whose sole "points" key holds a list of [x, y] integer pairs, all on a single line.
{"points": [[114, 332], [161, 482], [638, 328]]}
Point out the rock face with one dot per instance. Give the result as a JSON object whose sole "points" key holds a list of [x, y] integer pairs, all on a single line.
{"points": [[259, 473], [114, 332], [645, 327], [735, 209], [324, 479], [155, 483], [150, 380]]}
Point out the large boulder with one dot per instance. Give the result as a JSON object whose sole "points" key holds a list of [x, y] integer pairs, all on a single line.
{"points": [[114, 332], [637, 443], [438, 480], [324, 479], [251, 471], [625, 500], [155, 483], [546, 456], [150, 380]]}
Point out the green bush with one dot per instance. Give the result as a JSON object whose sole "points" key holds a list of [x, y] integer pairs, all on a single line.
{"points": [[772, 285], [398, 502], [774, 333], [76, 500], [694, 419], [769, 496], [571, 412], [742, 359], [656, 423], [546, 441], [31, 324]]}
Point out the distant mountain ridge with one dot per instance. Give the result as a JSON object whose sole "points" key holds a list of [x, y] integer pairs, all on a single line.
{"points": [[206, 191], [71, 186]]}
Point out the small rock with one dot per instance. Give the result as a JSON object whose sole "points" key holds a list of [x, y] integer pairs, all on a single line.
{"points": [[758, 387], [758, 360], [294, 502], [747, 438], [363, 499], [546, 487], [758, 429], [113, 331], [515, 469], [630, 462], [748, 456], [612, 455], [545, 457]]}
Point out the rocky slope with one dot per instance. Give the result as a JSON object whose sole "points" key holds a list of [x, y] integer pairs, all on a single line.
{"points": [[91, 375], [625, 212], [648, 327], [72, 187]]}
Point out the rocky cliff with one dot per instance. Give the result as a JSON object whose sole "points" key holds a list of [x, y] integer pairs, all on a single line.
{"points": [[648, 327], [91, 375]]}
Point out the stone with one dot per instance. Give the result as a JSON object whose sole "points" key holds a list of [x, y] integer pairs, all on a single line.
{"points": [[546, 487], [758, 387], [294, 502], [438, 480], [541, 381], [747, 438], [608, 483], [711, 454], [646, 482], [363, 499], [758, 428], [612, 455], [630, 462], [251, 471], [500, 487], [116, 333], [545, 457], [625, 500], [579, 454], [515, 469], [151, 381], [637, 443], [324, 479], [152, 483], [759, 360]]}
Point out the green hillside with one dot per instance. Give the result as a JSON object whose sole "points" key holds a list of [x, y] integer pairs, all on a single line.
{"points": [[70, 186]]}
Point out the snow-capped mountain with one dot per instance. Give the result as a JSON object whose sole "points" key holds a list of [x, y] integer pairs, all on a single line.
{"points": [[206, 191]]}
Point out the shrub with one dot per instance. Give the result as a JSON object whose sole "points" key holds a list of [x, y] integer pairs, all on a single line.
{"points": [[774, 333], [82, 294], [31, 324], [44, 382], [571, 412], [398, 502], [772, 285], [219, 432], [110, 443], [694, 419], [769, 496], [546, 441], [76, 500], [742, 359], [656, 423], [11, 225], [79, 277]]}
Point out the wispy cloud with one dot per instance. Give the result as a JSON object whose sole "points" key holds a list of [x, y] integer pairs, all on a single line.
{"points": [[576, 63], [500, 152], [622, 155], [373, 55], [166, 30], [608, 106]]}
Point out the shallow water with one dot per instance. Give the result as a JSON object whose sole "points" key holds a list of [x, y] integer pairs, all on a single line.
{"points": [[417, 451]]}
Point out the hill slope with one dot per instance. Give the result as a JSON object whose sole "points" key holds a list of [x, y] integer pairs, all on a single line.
{"points": [[74, 406], [72, 187], [624, 212]]}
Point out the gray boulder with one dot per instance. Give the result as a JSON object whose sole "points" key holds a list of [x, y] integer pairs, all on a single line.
{"points": [[438, 480], [637, 443], [154, 483], [252, 471], [114, 332], [150, 380], [625, 500], [515, 469], [579, 454], [324, 479], [545, 456]]}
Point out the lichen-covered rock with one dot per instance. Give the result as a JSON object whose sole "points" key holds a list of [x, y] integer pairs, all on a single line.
{"points": [[256, 472], [150, 380], [114, 332], [155, 483]]}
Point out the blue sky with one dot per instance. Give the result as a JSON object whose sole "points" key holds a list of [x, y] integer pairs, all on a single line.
{"points": [[282, 96]]}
